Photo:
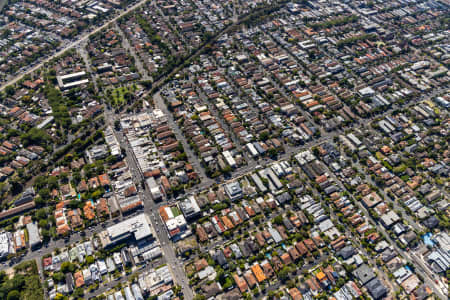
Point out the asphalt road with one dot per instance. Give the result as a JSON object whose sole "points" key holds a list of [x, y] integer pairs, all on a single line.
{"points": [[107, 286], [193, 159], [85, 56], [2, 4], [137, 61], [60, 243]]}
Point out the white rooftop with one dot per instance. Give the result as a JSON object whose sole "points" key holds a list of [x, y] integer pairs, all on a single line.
{"points": [[138, 226]]}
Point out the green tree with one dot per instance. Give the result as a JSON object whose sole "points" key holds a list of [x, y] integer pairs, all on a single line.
{"points": [[16, 186], [272, 152], [278, 220], [13, 295], [10, 90], [35, 136], [283, 274], [44, 193], [264, 136], [43, 223], [58, 276], [67, 267], [90, 260]]}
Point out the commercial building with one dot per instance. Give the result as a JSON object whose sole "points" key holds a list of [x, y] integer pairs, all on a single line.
{"points": [[259, 184], [190, 208], [174, 221], [128, 293], [5, 244], [155, 189], [33, 236], [136, 228], [137, 292]]}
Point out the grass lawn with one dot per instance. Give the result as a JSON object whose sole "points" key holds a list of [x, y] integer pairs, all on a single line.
{"points": [[176, 212], [118, 95]]}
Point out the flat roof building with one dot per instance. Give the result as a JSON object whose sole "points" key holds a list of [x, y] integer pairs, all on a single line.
{"points": [[439, 260], [5, 244], [364, 273], [389, 219], [190, 208], [154, 189], [137, 228], [258, 182], [33, 235], [71, 80], [233, 190]]}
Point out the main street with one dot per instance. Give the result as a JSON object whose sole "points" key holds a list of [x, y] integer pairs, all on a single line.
{"points": [[151, 209]]}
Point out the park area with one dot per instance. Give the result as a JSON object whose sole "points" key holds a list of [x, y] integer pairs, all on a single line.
{"points": [[121, 95]]}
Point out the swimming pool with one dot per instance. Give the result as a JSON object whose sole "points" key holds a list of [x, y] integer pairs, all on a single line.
{"points": [[427, 239]]}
